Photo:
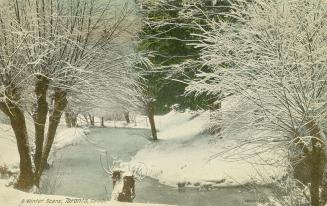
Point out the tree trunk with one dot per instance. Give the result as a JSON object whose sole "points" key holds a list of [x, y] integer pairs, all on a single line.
{"points": [[68, 120], [102, 121], [151, 120], [60, 103], [126, 115], [73, 119], [25, 180], [41, 90], [318, 160], [86, 119], [323, 194], [17, 119], [91, 120]]}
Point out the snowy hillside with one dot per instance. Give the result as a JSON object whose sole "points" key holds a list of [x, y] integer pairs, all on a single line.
{"points": [[184, 154]]}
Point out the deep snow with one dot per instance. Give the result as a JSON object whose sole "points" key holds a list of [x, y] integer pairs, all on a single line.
{"points": [[185, 154]]}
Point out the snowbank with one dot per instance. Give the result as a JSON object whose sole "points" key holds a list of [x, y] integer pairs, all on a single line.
{"points": [[9, 156], [173, 125], [9, 153], [186, 155], [12, 197], [176, 125], [69, 136]]}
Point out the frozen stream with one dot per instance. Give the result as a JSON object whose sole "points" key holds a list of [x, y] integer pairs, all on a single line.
{"points": [[78, 173]]}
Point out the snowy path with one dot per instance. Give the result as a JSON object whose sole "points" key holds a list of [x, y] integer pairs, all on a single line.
{"points": [[78, 173]]}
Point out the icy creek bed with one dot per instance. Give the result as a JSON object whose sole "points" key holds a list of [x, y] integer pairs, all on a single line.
{"points": [[77, 172]]}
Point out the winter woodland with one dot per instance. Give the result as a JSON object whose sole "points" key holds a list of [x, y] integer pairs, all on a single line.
{"points": [[163, 102]]}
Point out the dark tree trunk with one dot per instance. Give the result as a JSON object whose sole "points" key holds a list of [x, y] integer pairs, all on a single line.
{"points": [[41, 89], [318, 160], [60, 103], [17, 119], [323, 197], [316, 173], [91, 120], [102, 121], [25, 180], [151, 120], [126, 115]]}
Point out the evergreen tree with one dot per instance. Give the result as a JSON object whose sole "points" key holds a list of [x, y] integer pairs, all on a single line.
{"points": [[167, 37]]}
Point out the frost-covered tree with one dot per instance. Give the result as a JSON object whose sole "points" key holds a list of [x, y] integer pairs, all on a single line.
{"points": [[119, 97], [114, 90], [48, 50], [273, 54]]}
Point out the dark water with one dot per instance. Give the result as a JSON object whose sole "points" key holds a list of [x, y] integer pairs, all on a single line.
{"points": [[78, 172]]}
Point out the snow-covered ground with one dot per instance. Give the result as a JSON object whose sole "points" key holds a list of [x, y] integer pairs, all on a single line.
{"points": [[185, 154], [9, 156], [9, 153], [69, 136]]}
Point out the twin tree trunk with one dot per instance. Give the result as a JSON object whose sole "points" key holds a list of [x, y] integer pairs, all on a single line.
{"points": [[91, 120], [29, 177], [60, 103]]}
